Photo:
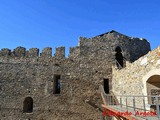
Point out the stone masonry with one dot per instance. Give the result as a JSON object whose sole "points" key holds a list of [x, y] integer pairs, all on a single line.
{"points": [[37, 86], [139, 78]]}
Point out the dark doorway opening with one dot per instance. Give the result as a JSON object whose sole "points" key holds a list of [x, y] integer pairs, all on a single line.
{"points": [[28, 105], [56, 85], [119, 57], [106, 85]]}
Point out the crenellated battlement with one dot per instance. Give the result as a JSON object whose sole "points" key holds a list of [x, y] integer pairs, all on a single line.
{"points": [[20, 55], [33, 52], [97, 47], [60, 52], [74, 52]]}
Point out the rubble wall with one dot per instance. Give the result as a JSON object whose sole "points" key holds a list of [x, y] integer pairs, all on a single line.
{"points": [[28, 73]]}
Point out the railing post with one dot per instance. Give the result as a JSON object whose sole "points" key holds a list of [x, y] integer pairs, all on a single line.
{"points": [[127, 103], [120, 103], [134, 104], [157, 107], [144, 105], [106, 99], [110, 100]]}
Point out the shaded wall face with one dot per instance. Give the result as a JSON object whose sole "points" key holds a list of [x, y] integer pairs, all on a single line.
{"points": [[138, 48]]}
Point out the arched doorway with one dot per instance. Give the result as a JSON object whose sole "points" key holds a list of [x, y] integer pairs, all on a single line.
{"points": [[28, 105], [119, 57], [153, 89], [153, 85]]}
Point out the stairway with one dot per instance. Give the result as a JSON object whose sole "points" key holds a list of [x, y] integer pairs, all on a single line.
{"points": [[131, 104]]}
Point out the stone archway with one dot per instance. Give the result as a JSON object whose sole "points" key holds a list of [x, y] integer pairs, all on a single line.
{"points": [[149, 75], [151, 82]]}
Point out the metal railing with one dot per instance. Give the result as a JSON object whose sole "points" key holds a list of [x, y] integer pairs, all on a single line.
{"points": [[132, 103]]}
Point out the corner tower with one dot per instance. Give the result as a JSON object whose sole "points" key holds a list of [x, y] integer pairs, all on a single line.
{"points": [[97, 55]]}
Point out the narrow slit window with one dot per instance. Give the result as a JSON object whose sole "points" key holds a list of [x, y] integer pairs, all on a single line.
{"points": [[56, 84]]}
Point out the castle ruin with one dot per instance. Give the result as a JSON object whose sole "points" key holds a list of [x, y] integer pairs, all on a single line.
{"points": [[46, 87]]}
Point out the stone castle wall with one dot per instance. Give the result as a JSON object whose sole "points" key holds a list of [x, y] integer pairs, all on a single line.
{"points": [[27, 74]]}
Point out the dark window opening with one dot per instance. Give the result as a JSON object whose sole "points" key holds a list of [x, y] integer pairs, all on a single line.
{"points": [[119, 57], [28, 105], [106, 85], [56, 84]]}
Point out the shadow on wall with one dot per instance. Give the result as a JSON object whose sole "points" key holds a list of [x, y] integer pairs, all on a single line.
{"points": [[119, 57]]}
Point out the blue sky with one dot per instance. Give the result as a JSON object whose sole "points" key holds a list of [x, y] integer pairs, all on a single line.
{"points": [[53, 23]]}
